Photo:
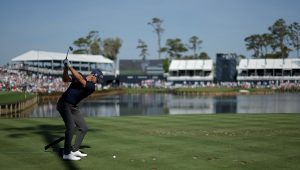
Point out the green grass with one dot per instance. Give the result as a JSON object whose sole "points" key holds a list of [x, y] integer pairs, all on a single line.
{"points": [[146, 90], [223, 90], [13, 97], [203, 90], [255, 141]]}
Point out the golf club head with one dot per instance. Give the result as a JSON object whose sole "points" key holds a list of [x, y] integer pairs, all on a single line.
{"points": [[69, 49]]}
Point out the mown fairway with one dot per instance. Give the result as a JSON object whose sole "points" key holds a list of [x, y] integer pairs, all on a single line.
{"points": [[265, 141]]}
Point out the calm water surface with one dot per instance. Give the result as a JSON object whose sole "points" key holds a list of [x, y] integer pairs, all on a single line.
{"points": [[170, 104]]}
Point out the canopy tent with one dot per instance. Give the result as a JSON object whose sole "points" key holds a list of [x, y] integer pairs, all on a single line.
{"points": [[191, 65]]}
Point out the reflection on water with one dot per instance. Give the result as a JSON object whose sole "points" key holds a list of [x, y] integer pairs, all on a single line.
{"points": [[45, 109], [157, 104], [277, 103], [179, 104]]}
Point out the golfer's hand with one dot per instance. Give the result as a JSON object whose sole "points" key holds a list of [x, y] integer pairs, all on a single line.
{"points": [[67, 63]]}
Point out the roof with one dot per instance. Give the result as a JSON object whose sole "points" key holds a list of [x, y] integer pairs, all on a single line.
{"points": [[191, 65], [44, 56], [289, 63]]}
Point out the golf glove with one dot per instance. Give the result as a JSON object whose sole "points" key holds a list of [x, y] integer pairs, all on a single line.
{"points": [[67, 63]]}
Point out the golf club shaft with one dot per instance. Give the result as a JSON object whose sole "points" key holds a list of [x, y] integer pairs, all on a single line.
{"points": [[54, 142], [67, 54]]}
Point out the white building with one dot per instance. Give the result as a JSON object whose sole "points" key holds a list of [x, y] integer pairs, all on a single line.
{"points": [[191, 71], [269, 70], [51, 63]]}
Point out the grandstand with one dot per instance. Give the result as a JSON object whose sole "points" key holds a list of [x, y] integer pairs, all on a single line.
{"points": [[51, 63], [253, 70], [136, 71], [191, 71], [180, 71]]}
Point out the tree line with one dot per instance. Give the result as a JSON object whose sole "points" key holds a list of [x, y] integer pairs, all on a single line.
{"points": [[174, 47], [277, 43], [92, 44], [109, 47]]}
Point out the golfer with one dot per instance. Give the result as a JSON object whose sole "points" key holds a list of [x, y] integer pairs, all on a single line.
{"points": [[67, 105]]}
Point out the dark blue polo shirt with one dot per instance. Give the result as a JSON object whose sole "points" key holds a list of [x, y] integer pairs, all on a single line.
{"points": [[76, 92]]}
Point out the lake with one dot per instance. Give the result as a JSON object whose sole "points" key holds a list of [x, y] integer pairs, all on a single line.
{"points": [[171, 104]]}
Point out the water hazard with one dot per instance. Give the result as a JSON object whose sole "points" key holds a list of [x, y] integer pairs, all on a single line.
{"points": [[170, 104]]}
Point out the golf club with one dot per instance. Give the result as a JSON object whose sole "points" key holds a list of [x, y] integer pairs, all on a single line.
{"points": [[54, 142], [69, 49]]}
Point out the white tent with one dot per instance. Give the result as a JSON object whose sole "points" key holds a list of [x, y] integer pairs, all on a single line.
{"points": [[269, 69], [191, 70], [191, 65], [269, 64]]}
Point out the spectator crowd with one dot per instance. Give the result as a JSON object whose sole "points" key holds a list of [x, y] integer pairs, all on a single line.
{"points": [[12, 80]]}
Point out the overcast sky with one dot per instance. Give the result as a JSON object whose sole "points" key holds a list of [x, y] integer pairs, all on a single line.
{"points": [[53, 25]]}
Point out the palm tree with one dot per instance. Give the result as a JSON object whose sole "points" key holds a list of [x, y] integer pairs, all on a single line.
{"points": [[144, 48], [280, 35], [174, 47], [266, 42], [111, 49], [204, 56], [156, 24], [88, 45], [82, 46], [252, 43], [195, 44], [93, 40], [295, 36]]}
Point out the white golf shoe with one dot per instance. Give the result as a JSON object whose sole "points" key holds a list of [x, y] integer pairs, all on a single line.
{"points": [[79, 154], [71, 157]]}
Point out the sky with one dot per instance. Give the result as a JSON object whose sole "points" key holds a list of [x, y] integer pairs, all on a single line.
{"points": [[53, 25]]}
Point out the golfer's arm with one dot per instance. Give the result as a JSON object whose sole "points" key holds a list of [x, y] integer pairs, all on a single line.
{"points": [[66, 77], [78, 76]]}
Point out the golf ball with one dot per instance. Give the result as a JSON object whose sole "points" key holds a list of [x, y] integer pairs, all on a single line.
{"points": [[114, 156]]}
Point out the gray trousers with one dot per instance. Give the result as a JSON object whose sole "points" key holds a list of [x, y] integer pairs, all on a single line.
{"points": [[72, 119]]}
